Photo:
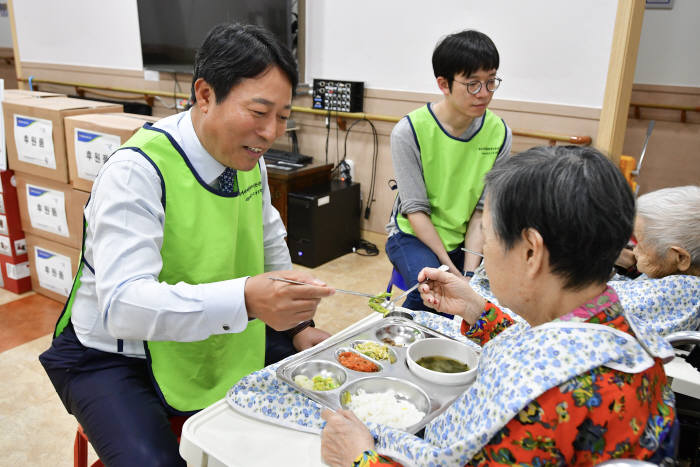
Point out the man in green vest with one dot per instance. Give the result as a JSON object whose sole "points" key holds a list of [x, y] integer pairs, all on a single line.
{"points": [[171, 300], [440, 154]]}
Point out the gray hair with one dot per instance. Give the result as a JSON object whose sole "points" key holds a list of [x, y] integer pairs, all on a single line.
{"points": [[672, 217]]}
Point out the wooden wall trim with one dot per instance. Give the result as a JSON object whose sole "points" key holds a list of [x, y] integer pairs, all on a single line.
{"points": [[666, 89], [618, 87], [15, 47]]}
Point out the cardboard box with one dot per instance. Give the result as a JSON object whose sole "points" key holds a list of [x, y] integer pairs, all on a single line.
{"points": [[92, 138], [36, 137], [51, 210], [52, 266], [15, 275], [19, 94], [10, 224]]}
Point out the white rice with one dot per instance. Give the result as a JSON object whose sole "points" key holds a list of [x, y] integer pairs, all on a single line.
{"points": [[385, 408]]}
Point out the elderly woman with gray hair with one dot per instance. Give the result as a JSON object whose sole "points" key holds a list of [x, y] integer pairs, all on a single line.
{"points": [[667, 230], [572, 381], [666, 297]]}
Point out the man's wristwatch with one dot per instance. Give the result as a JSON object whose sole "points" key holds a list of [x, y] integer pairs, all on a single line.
{"points": [[468, 273], [300, 327]]}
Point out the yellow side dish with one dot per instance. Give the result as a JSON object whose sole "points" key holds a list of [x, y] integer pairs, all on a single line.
{"points": [[375, 350]]}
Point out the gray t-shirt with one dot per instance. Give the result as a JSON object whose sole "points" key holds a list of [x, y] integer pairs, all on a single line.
{"points": [[408, 169]]}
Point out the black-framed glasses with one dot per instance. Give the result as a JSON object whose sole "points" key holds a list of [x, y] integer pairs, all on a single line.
{"points": [[473, 87]]}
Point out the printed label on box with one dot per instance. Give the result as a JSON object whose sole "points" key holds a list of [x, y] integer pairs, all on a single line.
{"points": [[5, 246], [21, 247], [53, 271], [2, 204], [34, 141], [47, 210], [92, 149], [3, 225], [17, 271]]}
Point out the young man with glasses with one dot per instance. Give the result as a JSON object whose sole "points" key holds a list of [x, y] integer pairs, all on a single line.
{"points": [[441, 153]]}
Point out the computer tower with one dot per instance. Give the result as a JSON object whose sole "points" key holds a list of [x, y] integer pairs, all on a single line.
{"points": [[323, 222]]}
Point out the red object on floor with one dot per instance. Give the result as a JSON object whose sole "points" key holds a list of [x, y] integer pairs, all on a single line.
{"points": [[15, 274], [9, 219], [81, 442]]}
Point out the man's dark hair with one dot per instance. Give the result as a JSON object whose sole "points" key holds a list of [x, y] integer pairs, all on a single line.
{"points": [[232, 52], [575, 198], [464, 52]]}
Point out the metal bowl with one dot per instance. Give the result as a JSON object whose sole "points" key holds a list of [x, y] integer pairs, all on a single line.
{"points": [[377, 384], [399, 335], [351, 350], [397, 313], [392, 355], [324, 368], [445, 348]]}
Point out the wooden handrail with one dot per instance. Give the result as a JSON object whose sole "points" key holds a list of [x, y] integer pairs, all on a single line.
{"points": [[684, 109], [139, 92], [552, 138]]}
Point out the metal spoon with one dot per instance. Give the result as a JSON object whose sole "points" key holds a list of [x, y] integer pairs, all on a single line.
{"points": [[351, 292], [390, 304]]}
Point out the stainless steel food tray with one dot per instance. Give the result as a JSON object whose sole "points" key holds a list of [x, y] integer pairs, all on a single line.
{"points": [[391, 375]]}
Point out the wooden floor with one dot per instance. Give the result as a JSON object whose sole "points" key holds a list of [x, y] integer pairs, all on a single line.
{"points": [[26, 319], [36, 430]]}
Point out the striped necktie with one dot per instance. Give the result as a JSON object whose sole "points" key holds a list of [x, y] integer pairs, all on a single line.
{"points": [[227, 181]]}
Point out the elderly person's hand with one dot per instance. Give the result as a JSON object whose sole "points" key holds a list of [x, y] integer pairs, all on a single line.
{"points": [[344, 438], [448, 293]]}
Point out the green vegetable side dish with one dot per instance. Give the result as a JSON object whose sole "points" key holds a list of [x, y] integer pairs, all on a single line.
{"points": [[375, 302], [317, 383], [376, 351]]}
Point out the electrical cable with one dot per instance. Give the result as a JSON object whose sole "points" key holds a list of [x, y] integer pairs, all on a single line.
{"points": [[369, 248], [375, 155], [328, 132]]}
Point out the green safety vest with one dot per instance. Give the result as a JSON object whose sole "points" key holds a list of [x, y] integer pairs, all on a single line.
{"points": [[207, 237], [453, 171]]}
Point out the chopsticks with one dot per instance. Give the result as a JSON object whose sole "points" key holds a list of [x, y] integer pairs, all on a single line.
{"points": [[351, 292]]}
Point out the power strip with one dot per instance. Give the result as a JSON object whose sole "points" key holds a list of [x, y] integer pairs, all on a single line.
{"points": [[343, 96]]}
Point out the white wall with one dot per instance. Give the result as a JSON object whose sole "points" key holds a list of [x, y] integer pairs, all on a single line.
{"points": [[5, 32], [554, 51], [99, 33], [669, 50]]}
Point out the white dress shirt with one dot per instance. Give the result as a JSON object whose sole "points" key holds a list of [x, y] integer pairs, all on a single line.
{"points": [[122, 298]]}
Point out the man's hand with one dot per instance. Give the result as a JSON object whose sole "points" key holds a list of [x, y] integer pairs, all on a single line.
{"points": [[282, 305], [448, 293], [343, 438], [309, 337]]}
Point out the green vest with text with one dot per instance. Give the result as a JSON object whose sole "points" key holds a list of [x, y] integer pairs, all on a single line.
{"points": [[207, 237], [453, 171]]}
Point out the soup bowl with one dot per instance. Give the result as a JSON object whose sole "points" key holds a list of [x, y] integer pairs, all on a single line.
{"points": [[439, 347]]}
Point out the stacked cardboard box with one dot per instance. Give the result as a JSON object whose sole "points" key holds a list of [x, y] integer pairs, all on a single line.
{"points": [[50, 209], [92, 138]]}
